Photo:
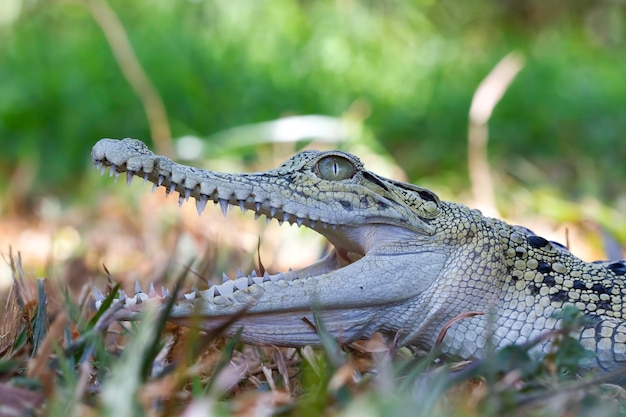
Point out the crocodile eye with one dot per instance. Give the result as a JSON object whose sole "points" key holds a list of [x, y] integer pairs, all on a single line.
{"points": [[334, 168]]}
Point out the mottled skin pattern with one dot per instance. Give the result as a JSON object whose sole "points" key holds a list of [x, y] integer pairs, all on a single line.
{"points": [[404, 263]]}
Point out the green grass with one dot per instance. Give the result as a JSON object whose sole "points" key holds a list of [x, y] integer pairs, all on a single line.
{"points": [[79, 362]]}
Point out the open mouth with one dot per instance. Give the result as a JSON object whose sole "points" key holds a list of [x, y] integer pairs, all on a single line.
{"points": [[350, 243], [347, 248]]}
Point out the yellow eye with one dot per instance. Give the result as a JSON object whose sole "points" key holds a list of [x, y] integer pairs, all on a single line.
{"points": [[334, 168]]}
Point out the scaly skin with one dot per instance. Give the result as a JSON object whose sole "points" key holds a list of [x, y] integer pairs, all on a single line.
{"points": [[404, 263]]}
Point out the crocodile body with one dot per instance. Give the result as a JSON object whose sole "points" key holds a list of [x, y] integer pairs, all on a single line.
{"points": [[404, 263]]}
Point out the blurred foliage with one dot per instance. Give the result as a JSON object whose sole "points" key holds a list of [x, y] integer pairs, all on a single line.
{"points": [[407, 69]]}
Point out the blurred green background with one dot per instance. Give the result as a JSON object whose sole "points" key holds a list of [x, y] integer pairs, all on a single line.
{"points": [[406, 69]]}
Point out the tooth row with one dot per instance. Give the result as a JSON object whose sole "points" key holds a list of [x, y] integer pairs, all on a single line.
{"points": [[224, 291], [202, 200]]}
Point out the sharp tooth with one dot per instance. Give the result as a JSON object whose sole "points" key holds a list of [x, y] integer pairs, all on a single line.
{"points": [[239, 273], [224, 206], [285, 216], [253, 274], [137, 287], [96, 164], [280, 222], [173, 187], [116, 176], [181, 200], [191, 295], [312, 224], [145, 177], [161, 179], [123, 295], [257, 206], [151, 291], [165, 292], [266, 276], [98, 304], [113, 168], [226, 289], [187, 193], [208, 294], [272, 211], [268, 220], [290, 275], [129, 178], [225, 277], [257, 215], [241, 283], [242, 207], [299, 221], [201, 203], [103, 169], [131, 301], [154, 187]]}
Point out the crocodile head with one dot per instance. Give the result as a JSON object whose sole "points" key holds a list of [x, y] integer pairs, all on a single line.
{"points": [[378, 228]]}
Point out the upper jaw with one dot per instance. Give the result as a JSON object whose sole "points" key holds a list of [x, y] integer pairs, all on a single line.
{"points": [[291, 193]]}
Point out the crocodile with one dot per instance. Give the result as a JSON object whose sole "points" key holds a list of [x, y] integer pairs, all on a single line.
{"points": [[404, 263]]}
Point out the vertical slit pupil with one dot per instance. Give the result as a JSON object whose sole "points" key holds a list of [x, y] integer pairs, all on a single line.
{"points": [[335, 168]]}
